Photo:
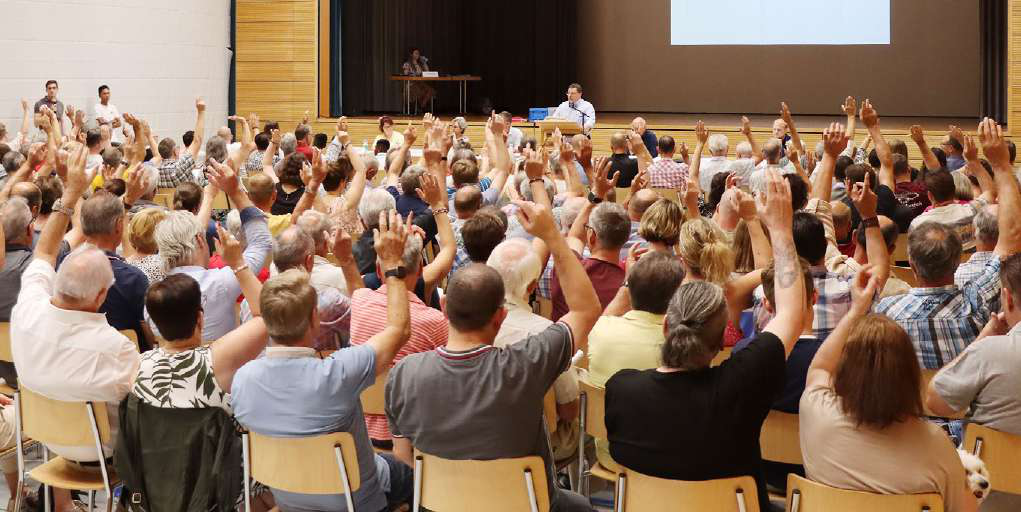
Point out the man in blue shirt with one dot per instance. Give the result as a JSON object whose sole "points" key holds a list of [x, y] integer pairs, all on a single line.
{"points": [[576, 109], [293, 393], [649, 138], [408, 201]]}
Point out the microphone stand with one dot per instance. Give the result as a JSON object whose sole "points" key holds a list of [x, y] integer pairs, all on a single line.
{"points": [[583, 117]]}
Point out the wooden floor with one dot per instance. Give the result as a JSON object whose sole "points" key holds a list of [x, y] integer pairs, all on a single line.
{"points": [[680, 127]]}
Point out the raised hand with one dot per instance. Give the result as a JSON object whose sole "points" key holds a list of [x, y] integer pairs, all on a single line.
{"points": [[775, 208], [864, 198], [994, 146], [343, 137], [745, 205], [602, 186], [342, 247], [253, 120], [746, 126], [917, 134], [701, 133], [223, 177], [304, 118], [410, 135], [537, 220], [535, 165], [229, 248], [389, 238], [431, 191], [785, 113], [136, 184], [970, 149], [834, 139], [200, 104], [731, 181], [78, 178], [869, 116], [566, 153], [639, 181], [274, 137], [37, 154], [863, 289], [498, 125], [684, 151], [634, 140], [793, 152], [634, 254], [849, 107], [955, 133]]}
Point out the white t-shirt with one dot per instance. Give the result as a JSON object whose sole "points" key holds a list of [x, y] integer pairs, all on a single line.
{"points": [[109, 112]]}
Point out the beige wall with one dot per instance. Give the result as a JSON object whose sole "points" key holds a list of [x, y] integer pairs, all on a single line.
{"points": [[932, 68]]}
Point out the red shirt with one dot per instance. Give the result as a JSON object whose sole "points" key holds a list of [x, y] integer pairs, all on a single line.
{"points": [[215, 261], [304, 149], [606, 278]]}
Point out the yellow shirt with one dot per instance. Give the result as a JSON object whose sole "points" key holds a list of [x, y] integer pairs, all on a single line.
{"points": [[634, 340], [278, 223]]}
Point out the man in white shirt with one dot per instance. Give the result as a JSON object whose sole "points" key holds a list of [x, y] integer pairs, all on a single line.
{"points": [[576, 109], [947, 211], [719, 146], [63, 346], [514, 135], [773, 151], [106, 113]]}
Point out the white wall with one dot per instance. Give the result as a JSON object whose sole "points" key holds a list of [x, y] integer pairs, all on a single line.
{"points": [[156, 56]]}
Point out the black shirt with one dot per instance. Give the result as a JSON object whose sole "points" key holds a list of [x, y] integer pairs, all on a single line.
{"points": [[886, 205], [797, 372], [651, 142], [285, 202], [696, 425], [627, 166]]}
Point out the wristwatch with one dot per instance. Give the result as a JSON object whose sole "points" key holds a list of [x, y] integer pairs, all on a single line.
{"points": [[871, 222], [398, 272], [58, 206], [592, 198]]}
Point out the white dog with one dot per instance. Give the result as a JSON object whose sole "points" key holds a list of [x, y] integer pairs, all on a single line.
{"points": [[975, 471]]}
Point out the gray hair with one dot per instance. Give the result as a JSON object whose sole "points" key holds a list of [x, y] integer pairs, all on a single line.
{"points": [[743, 148], [934, 251], [525, 189], [151, 177], [718, 143], [292, 248], [611, 224], [16, 217], [518, 266], [370, 162], [288, 143], [233, 224], [569, 211], [317, 225], [695, 321], [12, 161], [83, 275], [771, 149], [100, 214], [461, 123], [820, 149], [216, 149], [987, 228], [373, 202], [412, 257], [177, 238], [411, 179]]}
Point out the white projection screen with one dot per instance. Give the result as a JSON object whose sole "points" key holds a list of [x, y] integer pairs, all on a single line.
{"points": [[790, 22]]}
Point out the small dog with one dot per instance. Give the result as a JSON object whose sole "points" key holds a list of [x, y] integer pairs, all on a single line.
{"points": [[975, 471]]}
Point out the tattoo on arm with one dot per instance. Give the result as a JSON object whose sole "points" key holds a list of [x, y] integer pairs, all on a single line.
{"points": [[786, 265]]}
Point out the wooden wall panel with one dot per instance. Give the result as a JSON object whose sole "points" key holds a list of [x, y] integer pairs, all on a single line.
{"points": [[1014, 67]]}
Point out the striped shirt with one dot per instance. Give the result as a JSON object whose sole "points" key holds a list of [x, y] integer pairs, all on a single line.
{"points": [[943, 321], [972, 269], [368, 318]]}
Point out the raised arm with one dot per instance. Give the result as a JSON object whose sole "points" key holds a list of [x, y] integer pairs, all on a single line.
{"points": [[582, 301], [389, 241], [866, 201], [928, 157], [824, 365], [776, 212], [834, 141], [746, 130], [393, 172], [270, 153], [973, 167], [434, 192], [535, 169], [994, 146], [502, 161], [313, 180], [600, 188], [253, 221], [26, 119], [200, 128], [229, 249], [850, 108], [355, 189], [206, 207], [78, 180], [870, 119], [702, 135], [342, 251], [785, 113], [639, 150], [247, 140]]}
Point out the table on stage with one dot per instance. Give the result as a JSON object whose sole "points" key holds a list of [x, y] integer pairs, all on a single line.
{"points": [[462, 88]]}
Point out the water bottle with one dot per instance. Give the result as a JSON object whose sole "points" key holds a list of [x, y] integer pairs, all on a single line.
{"points": [[365, 145]]}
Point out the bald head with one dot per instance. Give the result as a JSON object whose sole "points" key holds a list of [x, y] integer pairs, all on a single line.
{"points": [[640, 202], [638, 125], [467, 201], [618, 142], [294, 248]]}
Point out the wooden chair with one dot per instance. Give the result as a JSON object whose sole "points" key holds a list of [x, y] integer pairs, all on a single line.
{"points": [[164, 200], [549, 412], [722, 356], [220, 202], [5, 354], [927, 376], [1002, 454], [900, 251], [323, 464], [592, 422], [374, 401], [64, 423], [463, 485], [808, 496], [906, 274], [133, 336], [780, 439], [668, 193], [545, 308], [642, 493]]}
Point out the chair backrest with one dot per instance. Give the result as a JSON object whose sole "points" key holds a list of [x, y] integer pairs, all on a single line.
{"points": [[549, 410], [808, 496], [644, 493], [164, 200], [927, 376], [900, 251], [595, 409], [220, 202], [906, 274], [668, 193], [306, 465], [1002, 454], [622, 194], [469, 484], [5, 342], [64, 423], [722, 356], [373, 398], [780, 439]]}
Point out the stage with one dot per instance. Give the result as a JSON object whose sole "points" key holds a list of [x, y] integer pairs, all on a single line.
{"points": [[681, 127]]}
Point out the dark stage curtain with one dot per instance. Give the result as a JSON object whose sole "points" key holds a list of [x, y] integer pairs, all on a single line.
{"points": [[993, 21], [524, 51]]}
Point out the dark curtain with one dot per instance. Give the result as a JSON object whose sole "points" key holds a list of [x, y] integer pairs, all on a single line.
{"points": [[524, 51], [993, 21]]}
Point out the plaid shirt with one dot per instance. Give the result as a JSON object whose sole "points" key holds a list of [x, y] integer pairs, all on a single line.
{"points": [[175, 172], [834, 302], [972, 269], [943, 321], [666, 173]]}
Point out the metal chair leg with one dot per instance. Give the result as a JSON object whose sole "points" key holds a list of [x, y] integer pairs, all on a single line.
{"points": [[92, 500], [46, 498]]}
